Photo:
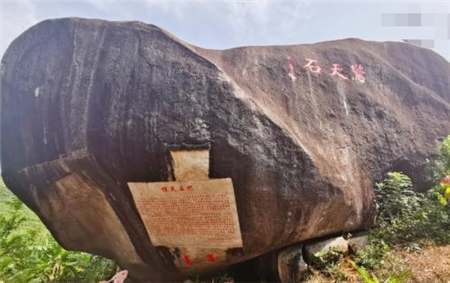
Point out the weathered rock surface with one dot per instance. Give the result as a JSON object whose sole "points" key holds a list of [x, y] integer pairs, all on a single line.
{"points": [[358, 241], [337, 244], [89, 105], [291, 266]]}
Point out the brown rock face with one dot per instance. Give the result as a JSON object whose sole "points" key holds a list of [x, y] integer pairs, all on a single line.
{"points": [[88, 106]]}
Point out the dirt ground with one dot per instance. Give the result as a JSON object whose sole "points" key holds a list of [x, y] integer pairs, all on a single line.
{"points": [[432, 265]]}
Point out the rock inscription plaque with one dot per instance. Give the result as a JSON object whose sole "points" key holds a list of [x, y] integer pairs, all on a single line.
{"points": [[199, 213]]}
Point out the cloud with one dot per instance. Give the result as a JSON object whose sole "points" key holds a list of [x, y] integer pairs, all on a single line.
{"points": [[266, 19], [174, 10], [214, 24], [238, 22], [16, 17], [221, 24]]}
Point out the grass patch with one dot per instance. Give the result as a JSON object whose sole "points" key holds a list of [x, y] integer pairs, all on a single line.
{"points": [[29, 253]]}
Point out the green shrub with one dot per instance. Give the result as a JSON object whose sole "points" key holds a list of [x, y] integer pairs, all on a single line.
{"points": [[406, 216], [442, 164], [395, 197], [324, 259], [28, 252], [372, 256], [444, 191]]}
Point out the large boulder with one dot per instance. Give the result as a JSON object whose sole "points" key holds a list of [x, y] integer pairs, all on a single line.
{"points": [[88, 106]]}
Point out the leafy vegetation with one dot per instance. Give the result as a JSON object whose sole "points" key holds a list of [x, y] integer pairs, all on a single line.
{"points": [[407, 216], [441, 166], [395, 198], [370, 278], [327, 261], [29, 253], [406, 220]]}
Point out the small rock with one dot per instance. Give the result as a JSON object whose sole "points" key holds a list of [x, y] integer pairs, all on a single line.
{"points": [[338, 244], [357, 242], [291, 266]]}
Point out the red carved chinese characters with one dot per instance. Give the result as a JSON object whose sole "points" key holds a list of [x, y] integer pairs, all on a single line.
{"points": [[187, 260], [336, 70], [211, 258], [358, 70], [312, 67]]}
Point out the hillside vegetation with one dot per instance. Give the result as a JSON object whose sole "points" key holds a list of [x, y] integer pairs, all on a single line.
{"points": [[411, 242], [30, 254]]}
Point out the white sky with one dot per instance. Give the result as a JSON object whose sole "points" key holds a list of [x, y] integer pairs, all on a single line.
{"points": [[224, 24]]}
